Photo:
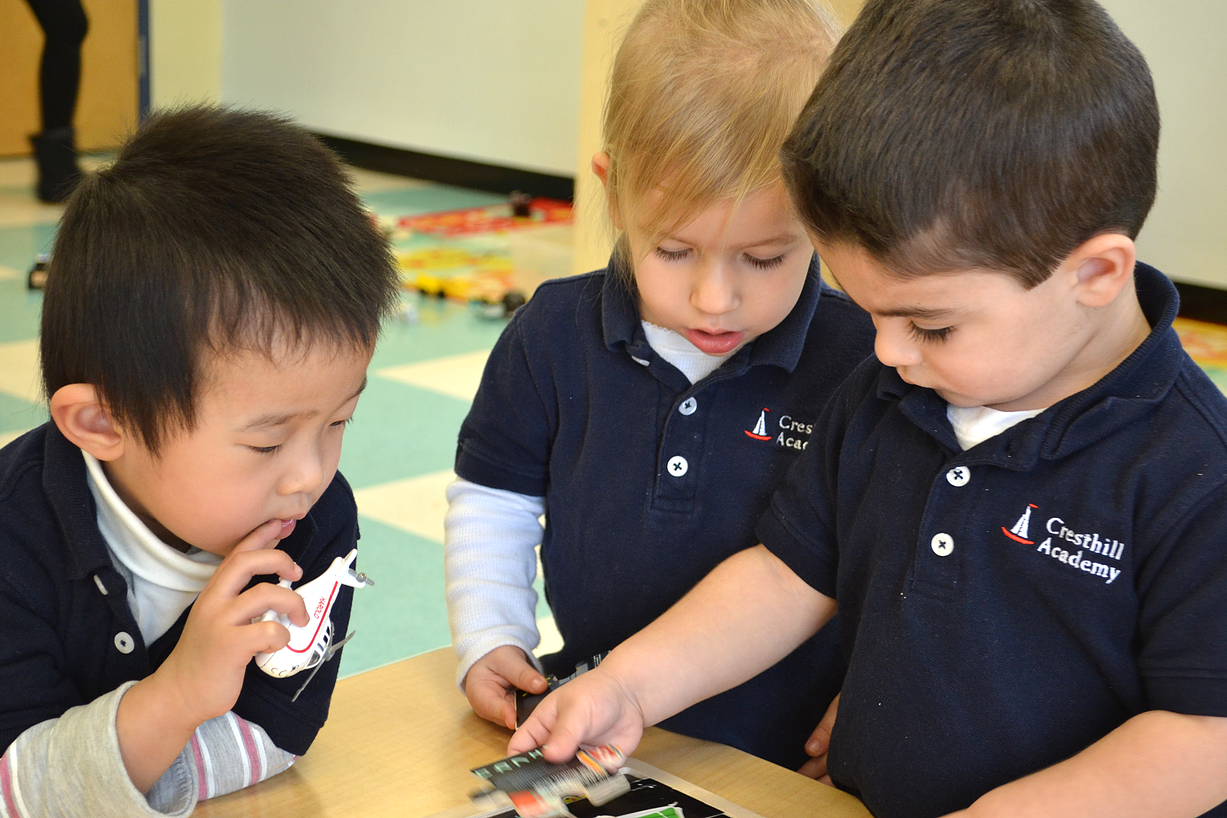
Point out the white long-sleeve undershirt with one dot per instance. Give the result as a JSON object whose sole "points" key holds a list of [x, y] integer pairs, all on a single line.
{"points": [[490, 562]]}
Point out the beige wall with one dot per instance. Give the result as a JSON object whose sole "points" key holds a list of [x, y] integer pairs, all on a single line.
{"points": [[604, 21], [185, 51]]}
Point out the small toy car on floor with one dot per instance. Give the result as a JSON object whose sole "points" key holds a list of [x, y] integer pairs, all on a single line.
{"points": [[37, 279]]}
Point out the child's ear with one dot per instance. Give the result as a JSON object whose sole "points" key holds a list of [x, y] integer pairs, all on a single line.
{"points": [[84, 420], [600, 166], [600, 169], [1103, 267]]}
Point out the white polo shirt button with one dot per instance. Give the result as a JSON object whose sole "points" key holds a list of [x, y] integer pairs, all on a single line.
{"points": [[958, 476], [942, 544], [688, 406], [124, 643], [678, 466]]}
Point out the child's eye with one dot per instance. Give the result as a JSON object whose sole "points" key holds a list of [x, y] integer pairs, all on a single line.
{"points": [[672, 255], [342, 423], [765, 263], [265, 449], [930, 335]]}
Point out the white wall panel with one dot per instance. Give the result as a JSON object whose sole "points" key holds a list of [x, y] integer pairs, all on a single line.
{"points": [[494, 81]]}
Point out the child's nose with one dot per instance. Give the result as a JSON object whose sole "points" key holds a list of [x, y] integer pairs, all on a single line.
{"points": [[305, 475], [893, 344], [715, 291]]}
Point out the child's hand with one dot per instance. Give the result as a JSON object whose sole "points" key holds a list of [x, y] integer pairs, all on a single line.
{"points": [[819, 745], [591, 709], [492, 681], [207, 666], [202, 677]]}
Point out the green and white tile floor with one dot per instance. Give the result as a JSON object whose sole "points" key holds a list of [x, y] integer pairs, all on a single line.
{"points": [[398, 452]]}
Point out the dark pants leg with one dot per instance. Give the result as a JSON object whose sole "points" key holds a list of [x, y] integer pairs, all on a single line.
{"points": [[64, 27]]}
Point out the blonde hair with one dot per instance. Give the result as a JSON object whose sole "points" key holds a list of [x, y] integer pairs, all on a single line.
{"points": [[701, 97]]}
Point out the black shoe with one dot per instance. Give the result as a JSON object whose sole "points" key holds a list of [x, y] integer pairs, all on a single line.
{"points": [[56, 155]]}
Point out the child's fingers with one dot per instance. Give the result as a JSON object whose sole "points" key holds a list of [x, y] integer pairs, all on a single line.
{"points": [[265, 596], [509, 711], [593, 709], [510, 663], [815, 768], [237, 570], [262, 637], [537, 731], [819, 744], [820, 740], [488, 696], [529, 679], [265, 535]]}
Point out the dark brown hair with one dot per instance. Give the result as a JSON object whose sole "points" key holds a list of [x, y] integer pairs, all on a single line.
{"points": [[977, 134], [215, 230]]}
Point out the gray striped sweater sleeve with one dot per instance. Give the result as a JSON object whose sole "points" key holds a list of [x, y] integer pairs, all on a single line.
{"points": [[72, 766]]}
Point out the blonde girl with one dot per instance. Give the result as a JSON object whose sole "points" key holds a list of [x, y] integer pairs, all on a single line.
{"points": [[647, 411]]}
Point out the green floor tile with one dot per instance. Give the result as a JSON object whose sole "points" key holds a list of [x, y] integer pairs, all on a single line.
{"points": [[403, 613]]}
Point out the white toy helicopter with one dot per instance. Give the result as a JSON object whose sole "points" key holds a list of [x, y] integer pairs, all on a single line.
{"points": [[311, 646]]}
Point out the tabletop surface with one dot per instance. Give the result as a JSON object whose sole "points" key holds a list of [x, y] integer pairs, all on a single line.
{"points": [[400, 740]]}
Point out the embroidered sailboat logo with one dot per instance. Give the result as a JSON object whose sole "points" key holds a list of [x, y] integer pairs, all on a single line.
{"points": [[1019, 532], [760, 428]]}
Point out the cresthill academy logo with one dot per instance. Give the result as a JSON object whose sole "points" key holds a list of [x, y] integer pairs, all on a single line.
{"points": [[1019, 532], [1095, 554], [760, 428], [792, 433]]}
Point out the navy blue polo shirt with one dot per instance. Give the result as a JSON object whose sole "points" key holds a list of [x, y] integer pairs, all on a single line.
{"points": [[69, 635], [1006, 606], [650, 482]]}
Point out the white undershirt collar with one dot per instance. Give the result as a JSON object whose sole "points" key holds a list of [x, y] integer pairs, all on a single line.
{"points": [[975, 424], [677, 350], [162, 581]]}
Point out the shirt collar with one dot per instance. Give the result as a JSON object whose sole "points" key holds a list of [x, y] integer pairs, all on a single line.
{"points": [[781, 346], [64, 485]]}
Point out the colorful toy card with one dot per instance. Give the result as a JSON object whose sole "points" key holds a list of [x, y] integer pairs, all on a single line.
{"points": [[540, 789], [649, 793]]}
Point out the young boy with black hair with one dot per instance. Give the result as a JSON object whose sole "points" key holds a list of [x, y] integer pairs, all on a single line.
{"points": [[1021, 506], [212, 305]]}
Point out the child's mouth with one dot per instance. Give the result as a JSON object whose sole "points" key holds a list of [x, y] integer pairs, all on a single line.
{"points": [[714, 343], [287, 528]]}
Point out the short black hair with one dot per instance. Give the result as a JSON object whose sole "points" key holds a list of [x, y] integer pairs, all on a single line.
{"points": [[977, 134], [215, 230]]}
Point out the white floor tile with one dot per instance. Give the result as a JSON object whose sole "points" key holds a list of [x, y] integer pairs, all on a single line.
{"points": [[455, 375], [19, 374], [415, 504]]}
